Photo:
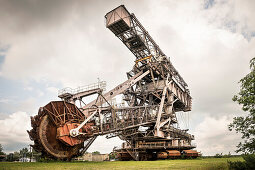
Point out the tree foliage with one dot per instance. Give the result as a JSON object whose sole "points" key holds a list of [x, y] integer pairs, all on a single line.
{"points": [[247, 164], [23, 151], [1, 150], [246, 124], [96, 152]]}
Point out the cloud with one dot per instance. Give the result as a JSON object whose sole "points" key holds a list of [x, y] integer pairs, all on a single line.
{"points": [[5, 100], [29, 105], [104, 145], [28, 88], [53, 90], [210, 57], [13, 130], [40, 93], [237, 12], [59, 45], [212, 136]]}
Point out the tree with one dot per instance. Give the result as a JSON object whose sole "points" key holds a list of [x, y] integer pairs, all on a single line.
{"points": [[16, 156], [246, 124], [23, 154], [96, 152], [23, 151], [35, 155], [1, 150], [112, 155]]}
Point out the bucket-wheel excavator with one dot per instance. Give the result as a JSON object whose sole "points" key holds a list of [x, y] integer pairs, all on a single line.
{"points": [[153, 94]]}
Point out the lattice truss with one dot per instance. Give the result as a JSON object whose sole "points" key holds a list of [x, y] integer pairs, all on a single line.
{"points": [[153, 93]]}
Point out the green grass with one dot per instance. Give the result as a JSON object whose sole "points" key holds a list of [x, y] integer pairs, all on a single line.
{"points": [[206, 163]]}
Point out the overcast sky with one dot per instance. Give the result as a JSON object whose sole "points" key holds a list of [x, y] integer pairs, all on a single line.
{"points": [[50, 44]]}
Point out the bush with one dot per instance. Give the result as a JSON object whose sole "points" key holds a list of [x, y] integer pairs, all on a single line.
{"points": [[227, 155], [237, 165], [250, 161], [247, 164], [218, 155]]}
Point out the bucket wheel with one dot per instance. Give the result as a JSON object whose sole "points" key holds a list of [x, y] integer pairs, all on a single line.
{"points": [[44, 130]]}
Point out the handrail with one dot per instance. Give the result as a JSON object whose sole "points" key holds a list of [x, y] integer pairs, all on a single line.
{"points": [[101, 85]]}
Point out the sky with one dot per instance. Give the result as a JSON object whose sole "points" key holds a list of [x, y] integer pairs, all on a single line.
{"points": [[46, 45]]}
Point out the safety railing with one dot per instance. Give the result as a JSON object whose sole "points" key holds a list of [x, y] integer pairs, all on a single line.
{"points": [[68, 90], [152, 145]]}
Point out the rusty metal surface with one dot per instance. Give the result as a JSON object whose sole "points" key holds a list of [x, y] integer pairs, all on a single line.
{"points": [[190, 153], [63, 134], [154, 93], [44, 130], [173, 153], [162, 155], [47, 135]]}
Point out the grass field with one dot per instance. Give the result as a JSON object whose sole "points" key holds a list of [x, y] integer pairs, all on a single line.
{"points": [[205, 163]]}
